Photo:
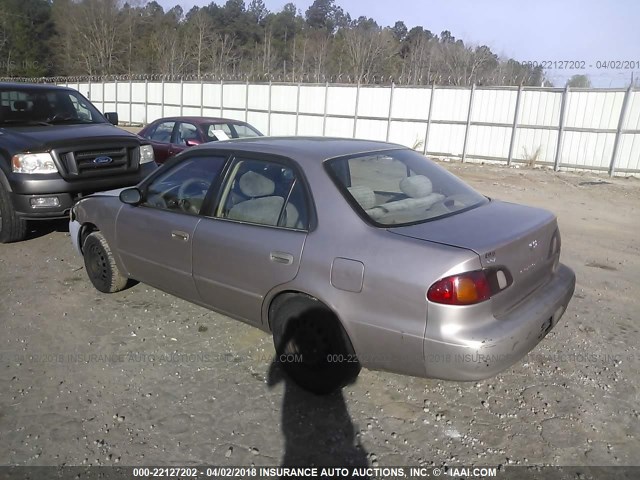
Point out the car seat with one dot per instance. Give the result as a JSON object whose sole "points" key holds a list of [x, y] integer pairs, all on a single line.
{"points": [[262, 206], [418, 189]]}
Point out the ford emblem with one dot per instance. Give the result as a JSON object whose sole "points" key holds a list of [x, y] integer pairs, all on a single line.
{"points": [[102, 160]]}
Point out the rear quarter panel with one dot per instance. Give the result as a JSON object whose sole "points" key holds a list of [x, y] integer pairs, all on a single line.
{"points": [[386, 320]]}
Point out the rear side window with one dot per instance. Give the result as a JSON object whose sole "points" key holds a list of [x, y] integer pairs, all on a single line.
{"points": [[162, 133], [264, 193], [401, 187], [218, 127], [186, 132]]}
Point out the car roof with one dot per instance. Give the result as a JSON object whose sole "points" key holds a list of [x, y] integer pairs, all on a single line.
{"points": [[33, 86], [194, 119], [301, 149]]}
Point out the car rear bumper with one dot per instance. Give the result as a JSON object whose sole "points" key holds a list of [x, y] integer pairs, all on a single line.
{"points": [[499, 343], [25, 190]]}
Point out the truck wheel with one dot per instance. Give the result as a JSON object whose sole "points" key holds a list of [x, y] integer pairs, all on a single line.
{"points": [[12, 227], [101, 266], [312, 346]]}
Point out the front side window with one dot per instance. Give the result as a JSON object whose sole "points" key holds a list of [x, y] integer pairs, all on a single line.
{"points": [[162, 133], [401, 187], [264, 193], [184, 187]]}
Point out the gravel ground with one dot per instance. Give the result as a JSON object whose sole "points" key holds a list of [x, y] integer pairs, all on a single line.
{"points": [[142, 378]]}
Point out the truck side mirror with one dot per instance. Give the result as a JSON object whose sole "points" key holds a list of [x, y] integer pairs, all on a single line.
{"points": [[112, 117]]}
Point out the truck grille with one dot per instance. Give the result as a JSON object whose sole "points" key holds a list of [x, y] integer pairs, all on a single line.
{"points": [[100, 161]]}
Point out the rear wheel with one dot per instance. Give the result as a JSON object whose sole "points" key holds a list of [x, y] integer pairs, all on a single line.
{"points": [[312, 346], [101, 266], [12, 227]]}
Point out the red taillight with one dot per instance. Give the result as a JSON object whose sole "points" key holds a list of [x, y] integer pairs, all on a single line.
{"points": [[464, 289]]}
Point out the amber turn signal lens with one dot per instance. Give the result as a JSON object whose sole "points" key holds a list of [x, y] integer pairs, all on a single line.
{"points": [[463, 289]]}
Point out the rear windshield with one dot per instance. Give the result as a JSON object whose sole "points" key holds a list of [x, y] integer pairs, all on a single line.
{"points": [[401, 187], [50, 106]]}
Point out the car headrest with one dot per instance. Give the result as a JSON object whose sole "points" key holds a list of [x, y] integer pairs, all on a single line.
{"points": [[20, 105], [417, 186], [365, 196], [253, 184]]}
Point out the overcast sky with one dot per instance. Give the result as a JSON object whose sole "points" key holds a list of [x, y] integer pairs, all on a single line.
{"points": [[589, 30]]}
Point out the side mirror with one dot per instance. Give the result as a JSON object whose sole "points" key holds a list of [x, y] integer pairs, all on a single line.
{"points": [[112, 117], [131, 196], [192, 142]]}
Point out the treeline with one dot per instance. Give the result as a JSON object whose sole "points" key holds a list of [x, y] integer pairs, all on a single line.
{"points": [[237, 40]]}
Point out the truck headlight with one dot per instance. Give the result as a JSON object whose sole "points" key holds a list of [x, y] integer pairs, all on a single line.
{"points": [[33, 163], [146, 154]]}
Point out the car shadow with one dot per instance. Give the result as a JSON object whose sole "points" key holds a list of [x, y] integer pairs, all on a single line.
{"points": [[317, 429], [41, 228]]}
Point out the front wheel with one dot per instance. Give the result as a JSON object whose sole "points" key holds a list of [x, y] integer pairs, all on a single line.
{"points": [[12, 227], [312, 346], [101, 266]]}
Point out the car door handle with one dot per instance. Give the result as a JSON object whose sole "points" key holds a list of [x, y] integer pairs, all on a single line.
{"points": [[184, 236], [281, 257]]}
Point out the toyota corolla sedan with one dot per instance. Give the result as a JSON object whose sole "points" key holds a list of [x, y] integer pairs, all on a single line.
{"points": [[351, 253]]}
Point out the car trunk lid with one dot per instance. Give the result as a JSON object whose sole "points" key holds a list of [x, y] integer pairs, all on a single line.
{"points": [[505, 236]]}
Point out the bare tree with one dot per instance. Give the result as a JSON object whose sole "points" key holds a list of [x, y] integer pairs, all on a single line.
{"points": [[221, 53], [267, 56], [170, 52], [200, 38], [96, 26], [579, 81], [417, 66], [318, 51], [130, 27], [367, 48]]}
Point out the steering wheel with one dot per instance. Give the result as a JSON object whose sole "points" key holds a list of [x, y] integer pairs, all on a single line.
{"points": [[183, 196], [60, 116]]}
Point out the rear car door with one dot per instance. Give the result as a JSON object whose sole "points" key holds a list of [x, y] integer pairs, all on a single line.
{"points": [[156, 237], [184, 133], [253, 239]]}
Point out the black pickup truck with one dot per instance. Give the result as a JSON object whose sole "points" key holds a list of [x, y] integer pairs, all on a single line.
{"points": [[56, 147]]}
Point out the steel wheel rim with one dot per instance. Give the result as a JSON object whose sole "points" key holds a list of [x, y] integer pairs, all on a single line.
{"points": [[97, 264]]}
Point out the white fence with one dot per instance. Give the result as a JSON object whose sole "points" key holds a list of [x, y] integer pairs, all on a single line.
{"points": [[595, 129]]}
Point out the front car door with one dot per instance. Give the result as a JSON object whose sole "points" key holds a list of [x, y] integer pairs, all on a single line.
{"points": [[253, 240], [156, 237], [160, 137]]}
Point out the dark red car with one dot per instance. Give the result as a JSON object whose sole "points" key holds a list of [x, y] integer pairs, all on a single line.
{"points": [[171, 135]]}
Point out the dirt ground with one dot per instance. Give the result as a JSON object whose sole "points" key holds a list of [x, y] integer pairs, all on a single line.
{"points": [[142, 378]]}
